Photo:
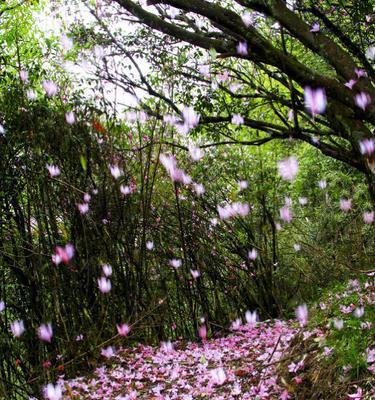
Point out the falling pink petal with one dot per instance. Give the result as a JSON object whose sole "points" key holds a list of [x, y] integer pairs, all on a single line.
{"points": [[199, 188], [288, 168], [248, 18], [196, 153], [202, 331], [175, 263], [17, 328], [70, 118], [45, 332], [104, 284], [242, 49], [251, 317], [52, 392], [83, 208], [242, 185], [351, 83], [107, 270], [31, 94], [50, 88], [116, 172], [123, 329], [361, 73], [253, 254], [302, 314], [368, 217], [322, 184], [53, 170], [125, 190], [195, 273], [108, 352], [24, 76], [315, 100], [367, 146], [315, 28], [345, 205], [191, 118], [362, 100], [218, 376], [286, 214], [237, 119], [63, 254]]}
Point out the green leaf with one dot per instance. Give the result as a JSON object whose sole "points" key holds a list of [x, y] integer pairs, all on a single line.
{"points": [[83, 161], [213, 53]]}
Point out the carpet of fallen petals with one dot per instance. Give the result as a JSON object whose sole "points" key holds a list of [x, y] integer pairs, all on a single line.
{"points": [[239, 366]]}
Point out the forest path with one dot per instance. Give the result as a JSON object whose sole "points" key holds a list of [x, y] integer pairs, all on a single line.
{"points": [[239, 366]]}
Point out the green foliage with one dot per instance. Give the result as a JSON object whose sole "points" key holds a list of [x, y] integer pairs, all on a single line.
{"points": [[351, 343]]}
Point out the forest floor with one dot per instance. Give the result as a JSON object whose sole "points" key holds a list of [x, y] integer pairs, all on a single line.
{"points": [[333, 357], [239, 366]]}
